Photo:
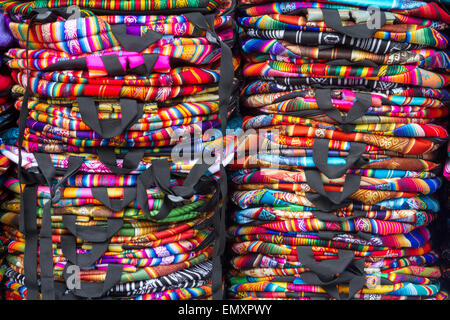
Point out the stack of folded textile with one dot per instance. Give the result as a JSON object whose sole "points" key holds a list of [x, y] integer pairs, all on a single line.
{"points": [[107, 90], [334, 181], [8, 124], [8, 114]]}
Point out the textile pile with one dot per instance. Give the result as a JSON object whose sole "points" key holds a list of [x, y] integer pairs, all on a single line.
{"points": [[8, 129], [335, 183], [109, 92]]}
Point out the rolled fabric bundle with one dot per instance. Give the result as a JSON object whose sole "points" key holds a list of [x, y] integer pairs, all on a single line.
{"points": [[335, 179], [121, 149]]}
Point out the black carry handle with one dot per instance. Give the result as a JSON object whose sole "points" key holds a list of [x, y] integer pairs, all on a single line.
{"points": [[159, 175], [187, 189], [354, 281], [362, 102], [45, 165], [202, 22], [333, 20], [93, 290], [130, 162], [101, 194], [95, 233], [328, 268], [351, 185], [132, 42], [83, 260], [146, 68], [353, 276], [109, 128], [211, 204], [354, 157], [114, 68], [146, 180]]}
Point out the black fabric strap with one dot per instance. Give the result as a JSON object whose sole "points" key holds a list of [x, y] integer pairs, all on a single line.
{"points": [[145, 180], [130, 162], [46, 253], [186, 191], [333, 20], [45, 236], [146, 68], [199, 20], [355, 282], [217, 271], [28, 227], [112, 65], [93, 234], [159, 175], [329, 273], [351, 185], [330, 200], [354, 158], [45, 165], [132, 42], [362, 102], [207, 241], [72, 64], [83, 260], [93, 290], [109, 128], [101, 194], [219, 248]]}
